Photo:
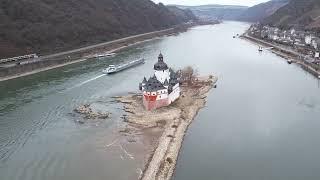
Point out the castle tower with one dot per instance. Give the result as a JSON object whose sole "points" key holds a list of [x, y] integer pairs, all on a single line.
{"points": [[155, 95], [162, 88], [161, 70]]}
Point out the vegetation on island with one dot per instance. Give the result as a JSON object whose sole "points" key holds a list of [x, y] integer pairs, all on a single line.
{"points": [[188, 75]]}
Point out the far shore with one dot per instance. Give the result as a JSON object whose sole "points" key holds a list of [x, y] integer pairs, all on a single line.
{"points": [[67, 63], [81, 54]]}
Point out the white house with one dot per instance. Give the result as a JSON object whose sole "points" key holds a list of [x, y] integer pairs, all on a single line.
{"points": [[308, 39]]}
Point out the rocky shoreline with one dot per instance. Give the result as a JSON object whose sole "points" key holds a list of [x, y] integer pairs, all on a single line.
{"points": [[173, 122]]}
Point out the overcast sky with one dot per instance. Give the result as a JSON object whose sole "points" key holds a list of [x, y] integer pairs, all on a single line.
{"points": [[201, 2]]}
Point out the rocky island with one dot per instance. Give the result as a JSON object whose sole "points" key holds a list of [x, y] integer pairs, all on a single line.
{"points": [[171, 120]]}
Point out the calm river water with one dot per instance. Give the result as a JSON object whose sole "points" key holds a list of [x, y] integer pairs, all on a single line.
{"points": [[261, 123]]}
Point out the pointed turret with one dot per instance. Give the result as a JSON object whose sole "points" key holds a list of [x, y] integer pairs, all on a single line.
{"points": [[160, 65], [160, 57], [143, 84], [166, 83], [144, 81]]}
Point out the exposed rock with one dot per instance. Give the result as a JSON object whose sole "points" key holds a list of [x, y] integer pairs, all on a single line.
{"points": [[90, 114]]}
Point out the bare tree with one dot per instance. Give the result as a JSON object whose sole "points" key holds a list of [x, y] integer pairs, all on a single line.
{"points": [[189, 74]]}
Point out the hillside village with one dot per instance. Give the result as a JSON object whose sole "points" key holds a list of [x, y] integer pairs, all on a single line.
{"points": [[305, 42]]}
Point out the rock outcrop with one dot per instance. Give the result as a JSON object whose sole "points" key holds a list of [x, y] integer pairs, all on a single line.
{"points": [[87, 111]]}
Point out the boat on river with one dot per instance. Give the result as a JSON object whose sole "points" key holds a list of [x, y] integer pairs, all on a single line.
{"points": [[289, 61], [260, 49], [116, 68], [104, 55]]}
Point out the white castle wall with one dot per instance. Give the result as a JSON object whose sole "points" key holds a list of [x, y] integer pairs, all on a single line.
{"points": [[162, 75], [162, 94], [150, 93], [175, 94]]}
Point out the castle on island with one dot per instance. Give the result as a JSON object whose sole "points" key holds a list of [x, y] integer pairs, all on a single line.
{"points": [[162, 88]]}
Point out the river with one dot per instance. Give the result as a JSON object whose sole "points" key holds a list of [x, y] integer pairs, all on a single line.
{"points": [[260, 123]]}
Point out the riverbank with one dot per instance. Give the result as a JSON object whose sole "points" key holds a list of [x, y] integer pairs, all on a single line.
{"points": [[78, 55], [67, 62], [173, 121], [287, 54]]}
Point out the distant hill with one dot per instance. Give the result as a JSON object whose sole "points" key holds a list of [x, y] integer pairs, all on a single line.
{"points": [[54, 25], [261, 11], [297, 13], [183, 14], [223, 12]]}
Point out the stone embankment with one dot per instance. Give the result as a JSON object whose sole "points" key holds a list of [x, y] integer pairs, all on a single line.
{"points": [[174, 120]]}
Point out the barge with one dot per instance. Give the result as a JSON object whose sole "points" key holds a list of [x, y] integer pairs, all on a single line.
{"points": [[104, 55], [116, 68]]}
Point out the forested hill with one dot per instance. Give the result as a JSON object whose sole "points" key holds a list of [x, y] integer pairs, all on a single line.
{"points": [[223, 12], [297, 13], [54, 25], [261, 11]]}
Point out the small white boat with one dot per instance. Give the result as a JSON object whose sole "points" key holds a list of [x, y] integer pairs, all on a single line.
{"points": [[289, 61], [260, 49], [104, 55], [268, 48]]}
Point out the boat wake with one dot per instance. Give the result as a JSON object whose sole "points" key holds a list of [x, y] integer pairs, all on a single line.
{"points": [[85, 82]]}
